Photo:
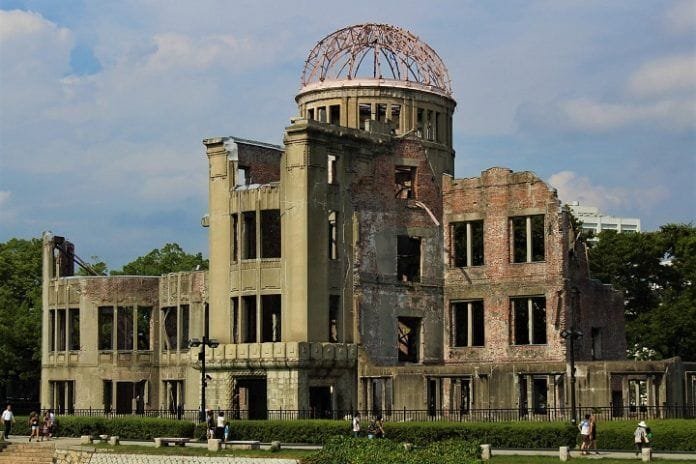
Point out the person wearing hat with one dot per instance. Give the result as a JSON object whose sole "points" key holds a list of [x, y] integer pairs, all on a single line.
{"points": [[640, 437]]}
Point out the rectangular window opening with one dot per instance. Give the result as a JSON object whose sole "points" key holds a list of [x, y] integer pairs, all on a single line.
{"points": [[270, 307], [429, 128], [248, 322], [420, 122], [249, 235], [396, 116], [365, 114], [539, 394], [321, 114], [235, 237], [74, 336], [270, 233], [382, 112], [235, 320], [310, 113], [144, 327], [333, 235], [124, 329], [62, 335], [185, 313], [169, 323], [527, 238], [409, 339], [106, 327], [52, 330], [467, 243], [408, 258], [404, 182], [529, 320], [468, 323], [243, 177], [334, 317], [335, 114]]}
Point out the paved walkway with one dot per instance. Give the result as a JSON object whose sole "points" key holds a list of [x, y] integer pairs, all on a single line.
{"points": [[602, 454]]}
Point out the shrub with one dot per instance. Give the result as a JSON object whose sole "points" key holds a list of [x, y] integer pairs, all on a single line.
{"points": [[342, 450], [668, 434]]}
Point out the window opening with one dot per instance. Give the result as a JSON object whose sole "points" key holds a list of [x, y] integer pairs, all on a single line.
{"points": [[331, 172], [249, 235], [467, 246], [144, 327], [429, 129], [243, 177], [382, 112], [529, 320], [404, 181], [438, 127], [62, 396], [396, 116], [74, 335], [333, 235], [468, 323], [107, 395], [270, 233], [539, 394], [637, 394], [335, 114], [106, 327], [464, 396], [124, 329], [408, 336], [310, 113], [321, 114], [248, 322], [184, 338], [420, 122], [170, 328], [596, 333], [270, 307], [365, 114], [235, 320], [235, 236], [334, 317], [52, 330], [408, 258], [62, 338], [527, 238]]}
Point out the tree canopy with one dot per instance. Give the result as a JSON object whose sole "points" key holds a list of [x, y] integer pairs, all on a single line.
{"points": [[656, 272], [20, 318], [170, 258]]}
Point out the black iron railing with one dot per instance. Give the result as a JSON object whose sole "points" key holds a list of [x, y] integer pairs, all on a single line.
{"points": [[602, 413]]}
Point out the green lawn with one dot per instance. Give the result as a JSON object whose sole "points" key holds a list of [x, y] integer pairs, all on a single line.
{"points": [[555, 460]]}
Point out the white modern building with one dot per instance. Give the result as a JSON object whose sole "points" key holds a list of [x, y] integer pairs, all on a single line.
{"points": [[595, 221]]}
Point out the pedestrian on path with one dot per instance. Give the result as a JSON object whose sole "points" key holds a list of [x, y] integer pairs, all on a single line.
{"points": [[8, 419], [640, 437], [34, 425], [356, 425], [585, 429], [593, 434]]}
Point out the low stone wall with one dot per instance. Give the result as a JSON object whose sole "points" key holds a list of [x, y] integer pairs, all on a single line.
{"points": [[92, 457]]}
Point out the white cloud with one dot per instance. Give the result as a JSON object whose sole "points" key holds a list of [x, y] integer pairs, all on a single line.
{"points": [[594, 116], [573, 187], [668, 75], [681, 17]]}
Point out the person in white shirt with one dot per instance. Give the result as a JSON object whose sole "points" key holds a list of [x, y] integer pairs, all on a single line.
{"points": [[585, 428], [356, 425], [8, 419]]}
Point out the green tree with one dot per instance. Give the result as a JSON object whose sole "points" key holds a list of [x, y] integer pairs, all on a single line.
{"points": [[656, 272], [170, 258], [20, 318]]}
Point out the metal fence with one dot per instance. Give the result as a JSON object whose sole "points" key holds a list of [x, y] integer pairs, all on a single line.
{"points": [[602, 413]]}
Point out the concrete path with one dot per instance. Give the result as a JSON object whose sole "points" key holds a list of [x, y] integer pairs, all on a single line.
{"points": [[575, 454]]}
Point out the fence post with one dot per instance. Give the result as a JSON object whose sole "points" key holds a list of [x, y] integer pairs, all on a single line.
{"points": [[404, 413]]}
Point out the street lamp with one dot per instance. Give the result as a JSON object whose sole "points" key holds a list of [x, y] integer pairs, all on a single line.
{"points": [[572, 335], [212, 343]]}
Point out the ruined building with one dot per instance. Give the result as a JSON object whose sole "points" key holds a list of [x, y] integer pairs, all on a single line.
{"points": [[350, 269]]}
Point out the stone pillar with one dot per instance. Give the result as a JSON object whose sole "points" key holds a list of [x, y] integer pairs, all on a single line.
{"points": [[646, 454], [564, 453], [486, 452], [213, 444]]}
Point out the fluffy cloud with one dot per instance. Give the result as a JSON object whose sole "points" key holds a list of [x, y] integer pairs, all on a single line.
{"points": [[573, 187], [665, 76]]}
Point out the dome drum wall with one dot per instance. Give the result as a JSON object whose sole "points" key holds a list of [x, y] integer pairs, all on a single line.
{"points": [[409, 111]]}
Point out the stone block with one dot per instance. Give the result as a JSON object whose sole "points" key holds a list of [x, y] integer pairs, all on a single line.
{"points": [[563, 453], [85, 440], [158, 442], [486, 452], [646, 454], [275, 446], [114, 441], [214, 444], [279, 350]]}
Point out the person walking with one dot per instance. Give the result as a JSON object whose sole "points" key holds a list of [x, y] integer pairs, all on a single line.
{"points": [[640, 437], [379, 426], [585, 427], [8, 419], [34, 425], [220, 429], [356, 425], [593, 434]]}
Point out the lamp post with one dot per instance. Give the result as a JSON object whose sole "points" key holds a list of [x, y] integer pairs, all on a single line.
{"points": [[571, 335], [212, 343]]}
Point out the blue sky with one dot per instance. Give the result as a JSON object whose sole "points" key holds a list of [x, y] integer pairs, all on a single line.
{"points": [[103, 104]]}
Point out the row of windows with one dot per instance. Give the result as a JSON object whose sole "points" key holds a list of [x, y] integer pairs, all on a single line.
{"points": [[250, 229], [526, 241]]}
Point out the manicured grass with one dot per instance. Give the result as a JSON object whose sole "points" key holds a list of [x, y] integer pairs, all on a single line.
{"points": [[196, 451], [554, 460]]}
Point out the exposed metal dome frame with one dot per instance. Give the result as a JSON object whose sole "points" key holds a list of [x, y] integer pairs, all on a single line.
{"points": [[389, 50]]}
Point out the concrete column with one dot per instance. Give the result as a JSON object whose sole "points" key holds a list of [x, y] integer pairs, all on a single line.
{"points": [[528, 230], [468, 245], [486, 452]]}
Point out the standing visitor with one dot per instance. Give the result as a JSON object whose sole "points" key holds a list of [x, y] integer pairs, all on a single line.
{"points": [[51, 424], [210, 425], [34, 425], [8, 419], [379, 426], [227, 431], [585, 427], [640, 437], [593, 434], [356, 425], [220, 429]]}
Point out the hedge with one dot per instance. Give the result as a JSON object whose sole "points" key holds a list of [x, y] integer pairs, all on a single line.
{"points": [[127, 428], [668, 434], [342, 450]]}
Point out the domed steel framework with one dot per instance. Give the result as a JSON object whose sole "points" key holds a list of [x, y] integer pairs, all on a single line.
{"points": [[375, 51]]}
